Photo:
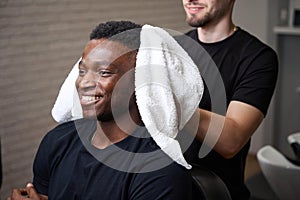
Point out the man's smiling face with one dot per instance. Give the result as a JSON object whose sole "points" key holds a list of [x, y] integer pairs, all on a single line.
{"points": [[103, 63]]}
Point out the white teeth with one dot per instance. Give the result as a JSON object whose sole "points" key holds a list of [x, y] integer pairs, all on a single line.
{"points": [[90, 98]]}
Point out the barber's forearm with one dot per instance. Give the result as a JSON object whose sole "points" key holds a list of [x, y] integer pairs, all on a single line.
{"points": [[226, 134], [221, 133]]}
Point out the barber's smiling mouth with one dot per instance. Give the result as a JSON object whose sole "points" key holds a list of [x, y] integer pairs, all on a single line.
{"points": [[193, 8]]}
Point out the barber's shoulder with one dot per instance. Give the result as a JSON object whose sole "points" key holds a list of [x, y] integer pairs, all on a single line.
{"points": [[252, 41]]}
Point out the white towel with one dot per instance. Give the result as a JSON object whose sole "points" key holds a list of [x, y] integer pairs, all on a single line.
{"points": [[168, 89], [67, 106]]}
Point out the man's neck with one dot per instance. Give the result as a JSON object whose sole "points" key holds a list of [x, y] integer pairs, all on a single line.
{"points": [[107, 133], [215, 33], [113, 131]]}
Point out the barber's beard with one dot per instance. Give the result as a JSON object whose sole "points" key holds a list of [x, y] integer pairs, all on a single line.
{"points": [[207, 18], [195, 21]]}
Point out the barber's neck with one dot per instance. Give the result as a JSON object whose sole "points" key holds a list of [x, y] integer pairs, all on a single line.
{"points": [[212, 33]]}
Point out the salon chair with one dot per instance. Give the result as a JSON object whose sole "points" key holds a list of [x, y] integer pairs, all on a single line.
{"points": [[207, 185], [281, 174]]}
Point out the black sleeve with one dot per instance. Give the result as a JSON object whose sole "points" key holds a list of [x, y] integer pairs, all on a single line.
{"points": [[41, 168], [173, 182], [258, 80]]}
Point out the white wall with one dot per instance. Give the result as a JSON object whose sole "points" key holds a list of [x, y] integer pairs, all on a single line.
{"points": [[252, 15]]}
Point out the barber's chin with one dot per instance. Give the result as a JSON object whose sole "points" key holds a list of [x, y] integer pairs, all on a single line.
{"points": [[195, 22]]}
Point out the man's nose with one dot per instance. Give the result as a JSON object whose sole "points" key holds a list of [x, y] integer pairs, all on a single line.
{"points": [[89, 80]]}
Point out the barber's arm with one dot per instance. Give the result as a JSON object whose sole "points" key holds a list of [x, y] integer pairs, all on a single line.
{"points": [[227, 134], [236, 127]]}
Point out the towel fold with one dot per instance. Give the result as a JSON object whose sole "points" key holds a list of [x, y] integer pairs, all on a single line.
{"points": [[168, 89]]}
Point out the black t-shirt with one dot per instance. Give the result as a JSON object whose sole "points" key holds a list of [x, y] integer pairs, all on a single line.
{"points": [[67, 166], [248, 69]]}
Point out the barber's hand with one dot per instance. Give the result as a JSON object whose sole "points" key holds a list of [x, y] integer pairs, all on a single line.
{"points": [[28, 193]]}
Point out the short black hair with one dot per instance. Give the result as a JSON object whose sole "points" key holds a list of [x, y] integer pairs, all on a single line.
{"points": [[126, 32]]}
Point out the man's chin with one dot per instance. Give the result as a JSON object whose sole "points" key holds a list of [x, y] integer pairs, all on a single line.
{"points": [[89, 115]]}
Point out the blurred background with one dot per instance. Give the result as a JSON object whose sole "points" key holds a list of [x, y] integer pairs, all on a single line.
{"points": [[40, 40]]}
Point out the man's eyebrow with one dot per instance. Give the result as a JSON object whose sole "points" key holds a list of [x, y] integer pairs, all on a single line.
{"points": [[104, 63], [97, 63], [101, 63], [94, 63]]}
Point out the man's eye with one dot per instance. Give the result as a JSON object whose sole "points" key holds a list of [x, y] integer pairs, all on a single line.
{"points": [[104, 73]]}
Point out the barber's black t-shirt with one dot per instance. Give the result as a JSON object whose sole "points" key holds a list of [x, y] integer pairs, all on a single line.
{"points": [[248, 70], [68, 167]]}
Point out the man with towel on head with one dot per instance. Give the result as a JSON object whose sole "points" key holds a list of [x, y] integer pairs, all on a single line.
{"points": [[248, 70], [108, 154]]}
